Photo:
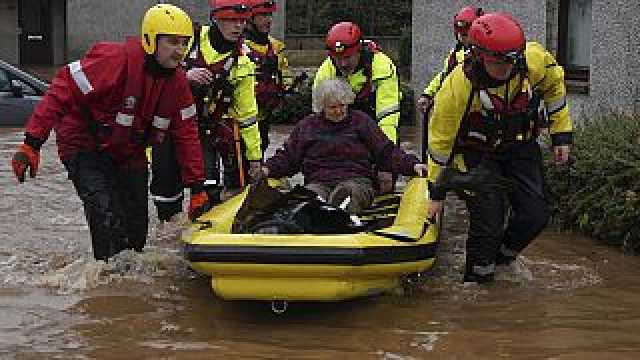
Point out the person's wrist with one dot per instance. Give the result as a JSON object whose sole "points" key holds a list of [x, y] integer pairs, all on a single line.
{"points": [[196, 188], [33, 142]]}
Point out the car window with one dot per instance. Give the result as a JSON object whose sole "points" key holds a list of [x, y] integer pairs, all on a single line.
{"points": [[4, 81], [26, 88]]}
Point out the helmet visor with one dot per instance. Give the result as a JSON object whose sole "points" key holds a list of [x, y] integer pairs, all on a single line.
{"points": [[461, 26], [509, 57], [265, 7], [341, 49], [238, 11]]}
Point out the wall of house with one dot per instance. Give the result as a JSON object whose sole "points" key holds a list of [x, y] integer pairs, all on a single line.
{"points": [[615, 65], [8, 34], [615, 57], [96, 20], [58, 32], [433, 31]]}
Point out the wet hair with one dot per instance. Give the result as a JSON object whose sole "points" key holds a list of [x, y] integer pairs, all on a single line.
{"points": [[336, 90]]}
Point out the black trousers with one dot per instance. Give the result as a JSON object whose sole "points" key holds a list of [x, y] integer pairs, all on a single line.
{"points": [[167, 187], [115, 202], [495, 236]]}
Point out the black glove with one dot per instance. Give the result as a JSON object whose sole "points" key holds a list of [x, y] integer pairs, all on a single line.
{"points": [[479, 179]]}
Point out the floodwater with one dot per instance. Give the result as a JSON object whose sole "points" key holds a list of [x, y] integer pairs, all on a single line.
{"points": [[582, 302]]}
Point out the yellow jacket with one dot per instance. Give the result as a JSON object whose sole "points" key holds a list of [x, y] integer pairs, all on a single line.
{"points": [[243, 107], [546, 78], [437, 80], [385, 84], [279, 50]]}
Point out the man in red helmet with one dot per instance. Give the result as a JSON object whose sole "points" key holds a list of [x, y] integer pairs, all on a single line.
{"points": [[486, 120], [461, 24], [372, 76], [222, 80], [272, 67], [105, 109]]}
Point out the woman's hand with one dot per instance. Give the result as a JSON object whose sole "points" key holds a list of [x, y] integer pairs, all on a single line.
{"points": [[434, 208]]}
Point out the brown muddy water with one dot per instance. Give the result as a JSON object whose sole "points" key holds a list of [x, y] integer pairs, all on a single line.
{"points": [[583, 301]]}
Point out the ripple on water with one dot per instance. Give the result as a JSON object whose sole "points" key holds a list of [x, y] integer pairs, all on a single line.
{"points": [[67, 273]]}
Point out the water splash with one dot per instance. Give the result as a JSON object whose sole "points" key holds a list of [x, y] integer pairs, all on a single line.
{"points": [[67, 273]]}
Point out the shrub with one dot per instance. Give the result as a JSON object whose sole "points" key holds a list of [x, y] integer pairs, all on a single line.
{"points": [[598, 194], [295, 107]]}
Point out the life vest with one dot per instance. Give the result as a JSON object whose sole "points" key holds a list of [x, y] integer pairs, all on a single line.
{"points": [[269, 83], [214, 102], [499, 122], [366, 98]]}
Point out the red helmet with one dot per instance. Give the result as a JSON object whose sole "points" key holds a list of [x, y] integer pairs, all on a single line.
{"points": [[263, 6], [344, 39], [230, 9], [497, 37], [463, 19]]}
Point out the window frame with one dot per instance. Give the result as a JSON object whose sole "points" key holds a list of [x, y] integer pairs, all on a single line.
{"points": [[577, 77]]}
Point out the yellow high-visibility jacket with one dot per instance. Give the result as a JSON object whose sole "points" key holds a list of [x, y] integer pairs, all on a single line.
{"points": [[385, 85], [437, 80], [544, 75], [243, 107], [279, 51]]}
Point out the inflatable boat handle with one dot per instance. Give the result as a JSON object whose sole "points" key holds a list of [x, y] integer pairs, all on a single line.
{"points": [[279, 306]]}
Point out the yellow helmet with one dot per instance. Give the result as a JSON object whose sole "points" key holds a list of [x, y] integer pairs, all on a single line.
{"points": [[164, 19]]}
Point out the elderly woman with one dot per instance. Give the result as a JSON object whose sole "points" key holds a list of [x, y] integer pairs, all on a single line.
{"points": [[335, 149]]}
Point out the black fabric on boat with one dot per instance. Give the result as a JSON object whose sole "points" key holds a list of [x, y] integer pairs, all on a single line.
{"points": [[309, 254], [267, 210]]}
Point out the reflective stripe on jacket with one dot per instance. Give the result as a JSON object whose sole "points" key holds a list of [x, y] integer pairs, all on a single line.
{"points": [[107, 101], [452, 104], [384, 84]]}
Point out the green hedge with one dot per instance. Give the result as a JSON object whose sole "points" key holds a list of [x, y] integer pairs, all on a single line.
{"points": [[599, 193], [298, 105]]}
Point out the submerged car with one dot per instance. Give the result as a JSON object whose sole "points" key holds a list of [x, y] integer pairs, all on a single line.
{"points": [[19, 94]]}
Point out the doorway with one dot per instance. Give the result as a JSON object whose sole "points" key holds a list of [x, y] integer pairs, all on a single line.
{"points": [[35, 20]]}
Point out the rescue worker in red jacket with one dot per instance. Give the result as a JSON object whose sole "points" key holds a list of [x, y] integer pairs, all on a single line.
{"points": [[272, 67], [373, 77], [486, 120], [222, 80], [105, 109], [461, 24]]}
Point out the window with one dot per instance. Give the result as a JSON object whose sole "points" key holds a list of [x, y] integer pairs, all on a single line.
{"points": [[574, 39], [4, 81], [26, 88]]}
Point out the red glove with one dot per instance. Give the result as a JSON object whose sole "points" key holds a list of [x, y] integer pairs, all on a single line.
{"points": [[198, 204], [25, 157]]}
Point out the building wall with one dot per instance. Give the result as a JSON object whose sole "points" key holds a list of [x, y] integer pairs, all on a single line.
{"points": [[615, 64], [8, 34], [615, 57], [433, 30], [89, 21], [58, 32]]}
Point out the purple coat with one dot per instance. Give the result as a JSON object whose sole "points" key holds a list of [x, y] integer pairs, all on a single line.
{"points": [[323, 150]]}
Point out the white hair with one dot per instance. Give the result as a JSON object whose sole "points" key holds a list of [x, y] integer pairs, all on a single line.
{"points": [[336, 90]]}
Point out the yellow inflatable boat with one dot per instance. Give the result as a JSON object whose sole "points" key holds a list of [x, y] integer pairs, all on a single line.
{"points": [[283, 268]]}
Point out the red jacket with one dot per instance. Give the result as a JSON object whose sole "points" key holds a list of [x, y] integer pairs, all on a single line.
{"points": [[107, 101]]}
